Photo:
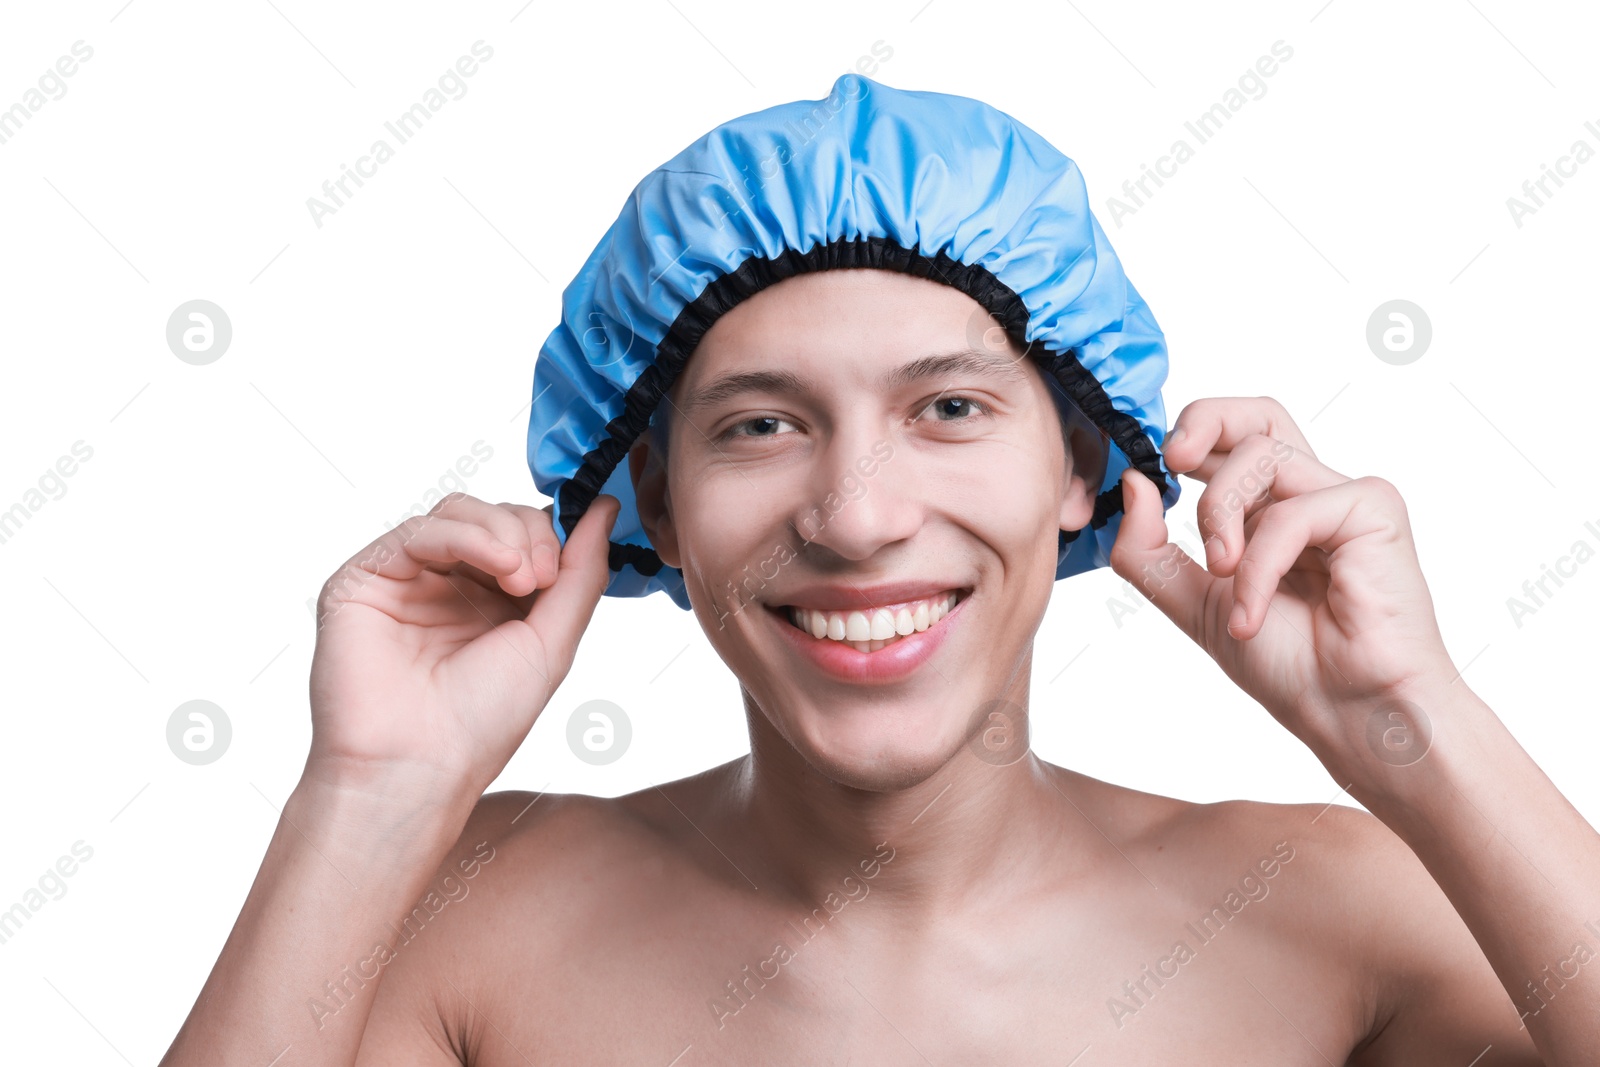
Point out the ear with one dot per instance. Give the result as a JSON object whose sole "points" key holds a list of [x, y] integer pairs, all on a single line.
{"points": [[647, 467], [1088, 452]]}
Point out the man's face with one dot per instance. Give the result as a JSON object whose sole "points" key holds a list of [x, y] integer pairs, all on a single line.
{"points": [[813, 490]]}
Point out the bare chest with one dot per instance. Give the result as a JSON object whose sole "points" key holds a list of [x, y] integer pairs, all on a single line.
{"points": [[703, 991]]}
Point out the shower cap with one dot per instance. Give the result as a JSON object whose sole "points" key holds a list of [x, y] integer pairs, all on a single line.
{"points": [[931, 184]]}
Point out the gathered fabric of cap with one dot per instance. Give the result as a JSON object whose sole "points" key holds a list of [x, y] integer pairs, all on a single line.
{"points": [[931, 184]]}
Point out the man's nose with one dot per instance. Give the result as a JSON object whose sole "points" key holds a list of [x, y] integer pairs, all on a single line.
{"points": [[861, 494]]}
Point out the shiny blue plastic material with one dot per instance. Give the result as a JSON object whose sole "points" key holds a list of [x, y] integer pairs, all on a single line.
{"points": [[932, 184]]}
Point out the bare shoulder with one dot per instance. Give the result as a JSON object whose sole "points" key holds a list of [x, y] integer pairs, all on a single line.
{"points": [[534, 881], [1348, 889], [1347, 897], [1339, 859], [520, 856], [1201, 852], [564, 861], [558, 867]]}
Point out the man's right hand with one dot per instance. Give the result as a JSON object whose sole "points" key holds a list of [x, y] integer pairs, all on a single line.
{"points": [[439, 644]]}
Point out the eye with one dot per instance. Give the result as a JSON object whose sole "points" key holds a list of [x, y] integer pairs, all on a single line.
{"points": [[767, 422], [944, 403]]}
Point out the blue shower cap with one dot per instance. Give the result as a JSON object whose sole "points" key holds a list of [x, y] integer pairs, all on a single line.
{"points": [[937, 186]]}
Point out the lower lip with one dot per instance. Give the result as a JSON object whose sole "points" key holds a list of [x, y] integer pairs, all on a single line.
{"points": [[892, 663]]}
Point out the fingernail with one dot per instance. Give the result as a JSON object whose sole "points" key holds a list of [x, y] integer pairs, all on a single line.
{"points": [[1236, 618], [543, 556], [1173, 438], [1213, 550]]}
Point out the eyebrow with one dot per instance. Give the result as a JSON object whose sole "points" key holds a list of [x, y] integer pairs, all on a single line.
{"points": [[966, 361]]}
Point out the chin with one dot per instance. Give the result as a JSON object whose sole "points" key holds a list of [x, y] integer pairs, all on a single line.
{"points": [[875, 751]]}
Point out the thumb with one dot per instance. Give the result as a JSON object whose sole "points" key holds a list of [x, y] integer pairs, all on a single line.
{"points": [[1162, 571], [562, 612]]}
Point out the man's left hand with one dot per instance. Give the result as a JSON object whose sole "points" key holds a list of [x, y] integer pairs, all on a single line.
{"points": [[1312, 599]]}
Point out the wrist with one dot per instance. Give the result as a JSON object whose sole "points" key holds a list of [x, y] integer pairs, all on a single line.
{"points": [[380, 816], [1415, 756]]}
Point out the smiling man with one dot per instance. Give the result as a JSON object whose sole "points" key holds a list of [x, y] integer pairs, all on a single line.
{"points": [[921, 391], [972, 482]]}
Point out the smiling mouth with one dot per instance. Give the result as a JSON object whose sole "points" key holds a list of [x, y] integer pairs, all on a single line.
{"points": [[868, 631]]}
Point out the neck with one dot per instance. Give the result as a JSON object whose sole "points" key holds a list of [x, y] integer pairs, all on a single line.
{"points": [[935, 846]]}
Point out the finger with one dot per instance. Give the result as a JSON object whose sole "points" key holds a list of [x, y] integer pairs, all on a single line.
{"points": [[1324, 520], [1219, 423], [1206, 469], [562, 612], [431, 542], [1258, 472], [544, 547], [540, 546], [1312, 560], [545, 553], [496, 584], [485, 595], [1164, 572], [500, 521]]}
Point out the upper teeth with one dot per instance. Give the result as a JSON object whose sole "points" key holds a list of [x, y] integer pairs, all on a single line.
{"points": [[879, 625]]}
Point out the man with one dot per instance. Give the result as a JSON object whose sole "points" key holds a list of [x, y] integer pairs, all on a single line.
{"points": [[890, 876]]}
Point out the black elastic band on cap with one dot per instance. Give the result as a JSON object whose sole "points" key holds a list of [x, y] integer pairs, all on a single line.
{"points": [[753, 275]]}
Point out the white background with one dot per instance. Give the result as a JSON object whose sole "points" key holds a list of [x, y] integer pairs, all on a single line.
{"points": [[371, 353]]}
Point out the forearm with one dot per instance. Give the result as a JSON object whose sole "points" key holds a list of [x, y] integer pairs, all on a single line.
{"points": [[343, 864], [1517, 861]]}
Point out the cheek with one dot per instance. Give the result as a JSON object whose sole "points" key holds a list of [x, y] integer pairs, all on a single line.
{"points": [[730, 540], [1013, 499]]}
